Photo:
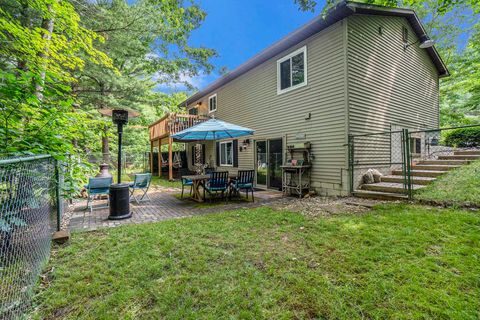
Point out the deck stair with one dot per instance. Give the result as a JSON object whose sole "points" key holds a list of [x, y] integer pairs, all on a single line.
{"points": [[433, 167], [391, 187], [455, 156], [447, 162], [415, 179]]}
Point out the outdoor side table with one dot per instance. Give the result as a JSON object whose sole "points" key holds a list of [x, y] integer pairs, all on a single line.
{"points": [[197, 182], [295, 180]]}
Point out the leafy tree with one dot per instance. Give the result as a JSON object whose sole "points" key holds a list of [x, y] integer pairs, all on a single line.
{"points": [[442, 6], [42, 45], [147, 42]]}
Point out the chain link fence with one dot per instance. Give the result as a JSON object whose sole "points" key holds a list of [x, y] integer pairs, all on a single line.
{"points": [[437, 144], [131, 162], [409, 157], [30, 207], [384, 152]]}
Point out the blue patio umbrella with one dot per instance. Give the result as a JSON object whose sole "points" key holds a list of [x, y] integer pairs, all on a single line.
{"points": [[212, 129]]}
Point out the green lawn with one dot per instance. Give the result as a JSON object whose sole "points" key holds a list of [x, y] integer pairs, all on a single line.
{"points": [[164, 182], [156, 181], [397, 262], [457, 187]]}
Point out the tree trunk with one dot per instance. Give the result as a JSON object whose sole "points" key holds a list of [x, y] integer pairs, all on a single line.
{"points": [[47, 25], [26, 22], [105, 148]]}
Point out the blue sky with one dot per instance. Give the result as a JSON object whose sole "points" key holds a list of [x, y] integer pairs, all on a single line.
{"points": [[239, 29]]}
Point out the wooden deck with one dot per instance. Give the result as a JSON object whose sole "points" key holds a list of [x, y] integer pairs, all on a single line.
{"points": [[173, 123], [163, 129]]}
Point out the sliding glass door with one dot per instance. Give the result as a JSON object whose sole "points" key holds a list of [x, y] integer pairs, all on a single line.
{"points": [[275, 161], [268, 159], [261, 163]]}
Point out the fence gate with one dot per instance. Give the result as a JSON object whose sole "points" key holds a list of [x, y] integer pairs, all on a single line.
{"points": [[29, 196]]}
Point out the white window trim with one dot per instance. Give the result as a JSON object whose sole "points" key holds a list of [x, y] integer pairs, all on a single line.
{"points": [[216, 103], [220, 155], [289, 56]]}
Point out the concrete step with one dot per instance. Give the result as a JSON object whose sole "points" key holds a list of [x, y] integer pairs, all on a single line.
{"points": [[419, 173], [415, 180], [445, 162], [379, 195], [460, 157], [431, 167], [467, 152], [390, 187]]}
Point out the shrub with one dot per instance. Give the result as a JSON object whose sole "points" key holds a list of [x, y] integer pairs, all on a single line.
{"points": [[463, 137]]}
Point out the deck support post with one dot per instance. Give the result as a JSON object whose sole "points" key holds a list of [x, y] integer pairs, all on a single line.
{"points": [[151, 156], [170, 159], [159, 156]]}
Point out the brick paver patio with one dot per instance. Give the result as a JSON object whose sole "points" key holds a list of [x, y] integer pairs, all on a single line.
{"points": [[162, 206]]}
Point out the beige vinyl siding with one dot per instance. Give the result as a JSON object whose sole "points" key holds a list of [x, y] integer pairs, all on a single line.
{"points": [[209, 152], [251, 100], [387, 85]]}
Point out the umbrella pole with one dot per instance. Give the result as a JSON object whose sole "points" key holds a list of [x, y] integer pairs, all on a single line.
{"points": [[170, 159], [198, 156]]}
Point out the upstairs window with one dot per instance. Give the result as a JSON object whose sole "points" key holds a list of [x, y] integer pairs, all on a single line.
{"points": [[212, 103], [292, 71]]}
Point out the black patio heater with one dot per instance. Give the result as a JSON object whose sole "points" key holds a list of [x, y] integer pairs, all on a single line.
{"points": [[119, 192]]}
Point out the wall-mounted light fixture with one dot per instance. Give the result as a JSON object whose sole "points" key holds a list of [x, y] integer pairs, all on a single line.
{"points": [[425, 42], [244, 145]]}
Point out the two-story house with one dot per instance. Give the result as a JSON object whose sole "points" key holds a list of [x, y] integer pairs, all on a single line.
{"points": [[359, 69]]}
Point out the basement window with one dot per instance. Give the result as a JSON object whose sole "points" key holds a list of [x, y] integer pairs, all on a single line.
{"points": [[292, 71], [416, 146]]}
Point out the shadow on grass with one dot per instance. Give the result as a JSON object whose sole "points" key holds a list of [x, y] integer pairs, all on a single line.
{"points": [[211, 203]]}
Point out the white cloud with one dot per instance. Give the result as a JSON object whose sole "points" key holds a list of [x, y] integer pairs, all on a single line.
{"points": [[197, 81]]}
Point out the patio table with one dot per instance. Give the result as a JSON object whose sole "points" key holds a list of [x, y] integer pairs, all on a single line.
{"points": [[198, 180]]}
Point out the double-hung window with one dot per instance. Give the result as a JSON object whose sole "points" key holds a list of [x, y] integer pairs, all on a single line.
{"points": [[212, 103], [292, 71], [226, 153]]}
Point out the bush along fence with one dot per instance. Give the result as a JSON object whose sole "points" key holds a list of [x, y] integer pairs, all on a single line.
{"points": [[30, 210], [397, 163]]}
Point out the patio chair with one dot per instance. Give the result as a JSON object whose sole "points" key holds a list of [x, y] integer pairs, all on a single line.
{"points": [[244, 181], [140, 182], [218, 183], [188, 183], [97, 187]]}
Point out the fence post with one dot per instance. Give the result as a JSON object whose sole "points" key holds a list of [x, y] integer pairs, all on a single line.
{"points": [[351, 160], [408, 160], [58, 193], [408, 164], [404, 161]]}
